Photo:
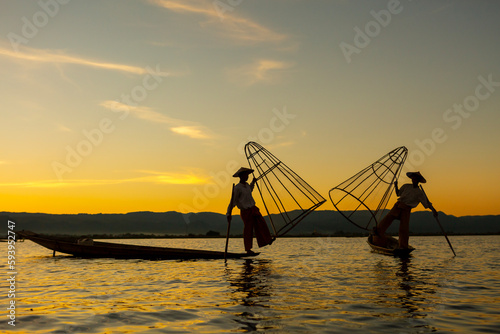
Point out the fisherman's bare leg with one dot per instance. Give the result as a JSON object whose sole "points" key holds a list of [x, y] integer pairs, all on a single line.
{"points": [[381, 239]]}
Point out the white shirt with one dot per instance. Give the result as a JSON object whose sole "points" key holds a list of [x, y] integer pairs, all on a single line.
{"points": [[242, 198], [412, 196]]}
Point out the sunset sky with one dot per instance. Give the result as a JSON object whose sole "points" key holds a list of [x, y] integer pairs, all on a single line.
{"points": [[121, 106]]}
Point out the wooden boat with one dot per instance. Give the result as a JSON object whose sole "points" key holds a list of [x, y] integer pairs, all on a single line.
{"points": [[391, 247], [88, 248], [7, 240]]}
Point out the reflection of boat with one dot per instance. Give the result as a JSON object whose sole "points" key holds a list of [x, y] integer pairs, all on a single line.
{"points": [[391, 247], [95, 249]]}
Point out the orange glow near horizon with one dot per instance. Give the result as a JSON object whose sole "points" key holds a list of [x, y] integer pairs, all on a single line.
{"points": [[111, 198]]}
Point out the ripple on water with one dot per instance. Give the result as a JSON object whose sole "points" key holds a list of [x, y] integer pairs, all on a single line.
{"points": [[299, 285]]}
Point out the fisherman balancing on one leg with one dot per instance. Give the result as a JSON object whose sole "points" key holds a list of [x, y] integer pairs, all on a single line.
{"points": [[250, 214], [410, 195]]}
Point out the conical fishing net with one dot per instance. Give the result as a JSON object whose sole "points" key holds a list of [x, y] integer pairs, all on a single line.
{"points": [[287, 198], [363, 197]]}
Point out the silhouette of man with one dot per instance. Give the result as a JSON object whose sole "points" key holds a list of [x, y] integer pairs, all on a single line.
{"points": [[410, 195], [249, 213]]}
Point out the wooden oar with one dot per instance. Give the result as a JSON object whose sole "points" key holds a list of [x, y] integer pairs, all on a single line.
{"points": [[439, 223], [228, 225]]}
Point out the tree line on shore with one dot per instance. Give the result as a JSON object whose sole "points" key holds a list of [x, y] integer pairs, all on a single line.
{"points": [[325, 223]]}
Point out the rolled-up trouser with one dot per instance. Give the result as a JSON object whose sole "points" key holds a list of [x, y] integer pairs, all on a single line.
{"points": [[253, 220], [402, 212]]}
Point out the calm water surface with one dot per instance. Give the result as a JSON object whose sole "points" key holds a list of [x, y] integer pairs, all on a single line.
{"points": [[297, 285]]}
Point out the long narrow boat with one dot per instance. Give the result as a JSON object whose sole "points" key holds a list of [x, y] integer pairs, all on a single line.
{"points": [[88, 248], [391, 248]]}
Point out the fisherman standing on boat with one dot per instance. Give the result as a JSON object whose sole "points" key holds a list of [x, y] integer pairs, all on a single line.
{"points": [[250, 214], [410, 195]]}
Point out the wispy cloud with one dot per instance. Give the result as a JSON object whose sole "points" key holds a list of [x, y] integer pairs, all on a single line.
{"points": [[175, 178], [231, 25], [153, 177], [63, 128], [181, 127], [140, 112], [196, 132], [60, 57], [260, 71]]}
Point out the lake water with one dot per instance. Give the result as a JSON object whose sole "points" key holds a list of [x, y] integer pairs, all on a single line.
{"points": [[297, 285]]}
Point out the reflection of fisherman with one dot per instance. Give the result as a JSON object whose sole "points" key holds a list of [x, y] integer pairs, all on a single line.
{"points": [[250, 214], [410, 195]]}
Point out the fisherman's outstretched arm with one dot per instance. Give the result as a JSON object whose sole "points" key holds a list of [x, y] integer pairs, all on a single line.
{"points": [[428, 205], [434, 212]]}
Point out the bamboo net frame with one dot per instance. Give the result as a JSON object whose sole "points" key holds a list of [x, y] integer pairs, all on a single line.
{"points": [[287, 198], [362, 198]]}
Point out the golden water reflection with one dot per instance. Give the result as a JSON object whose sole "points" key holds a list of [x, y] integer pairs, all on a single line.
{"points": [[407, 292], [252, 288], [300, 285]]}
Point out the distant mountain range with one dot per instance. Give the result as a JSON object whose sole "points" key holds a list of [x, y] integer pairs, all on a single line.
{"points": [[324, 223]]}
